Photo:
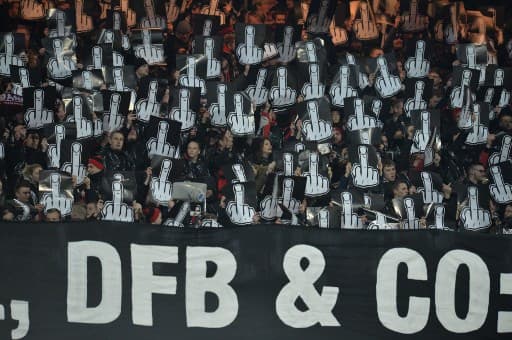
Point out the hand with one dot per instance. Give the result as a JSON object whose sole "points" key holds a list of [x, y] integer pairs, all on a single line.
{"points": [[218, 110], [159, 145], [320, 23], [152, 20], [500, 191], [286, 49], [314, 89], [359, 120], [316, 184], [338, 34], [414, 21], [213, 67], [83, 125], [288, 201], [503, 155], [240, 123], [183, 113], [237, 211], [472, 216], [112, 120], [147, 107], [282, 95], [363, 77], [83, 21], [430, 195], [56, 200], [365, 27], [316, 129], [457, 94], [412, 222], [258, 93], [161, 187], [75, 167], [32, 10], [190, 79], [417, 102], [479, 132], [247, 52], [422, 137], [38, 116], [350, 220], [54, 149], [342, 90], [386, 84], [116, 210]]}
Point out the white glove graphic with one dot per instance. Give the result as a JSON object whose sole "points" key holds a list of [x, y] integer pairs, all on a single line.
{"points": [[363, 175], [258, 93], [61, 30], [503, 155], [38, 116], [207, 28], [159, 145], [323, 218], [504, 98], [438, 218], [479, 132], [24, 82], [386, 84], [60, 67], [112, 119], [190, 79], [414, 21], [500, 191], [412, 222], [342, 90], [131, 16], [247, 52], [316, 184], [311, 52], [288, 201], [183, 113], [54, 149], [471, 56], [417, 102], [363, 77], [55, 200], [237, 211], [213, 67], [349, 219], [32, 10], [116, 210], [282, 95], [8, 57], [149, 106], [457, 95], [365, 28], [338, 34], [314, 128], [499, 76], [212, 10], [83, 125], [97, 58], [172, 11], [314, 89], [466, 116], [269, 205], [151, 20], [218, 110], [286, 49], [472, 216], [161, 187], [83, 21], [379, 223], [421, 137], [418, 67], [75, 168], [288, 164], [319, 23], [430, 195], [148, 52], [240, 123], [359, 120]]}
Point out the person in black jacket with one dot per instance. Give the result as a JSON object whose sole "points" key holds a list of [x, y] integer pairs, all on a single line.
{"points": [[114, 157]]}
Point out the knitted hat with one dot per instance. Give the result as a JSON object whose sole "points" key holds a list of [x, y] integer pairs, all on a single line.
{"points": [[97, 162]]}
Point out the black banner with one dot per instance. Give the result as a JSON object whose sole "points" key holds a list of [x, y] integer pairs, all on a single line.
{"points": [[130, 281]]}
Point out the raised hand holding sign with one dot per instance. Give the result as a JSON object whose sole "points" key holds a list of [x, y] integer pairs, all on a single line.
{"points": [[172, 11], [75, 167], [472, 216], [365, 28], [183, 113], [131, 16], [411, 222], [237, 211], [60, 67], [342, 90], [8, 57], [190, 79], [363, 175], [38, 116], [212, 9], [417, 102], [457, 95], [247, 52], [359, 120], [349, 220], [258, 93], [479, 132], [504, 154], [282, 95], [316, 184], [286, 49], [386, 84], [314, 89], [83, 21], [418, 66], [159, 145], [414, 21], [500, 191], [363, 80], [116, 210], [32, 10], [83, 125], [319, 23], [161, 187], [54, 199], [429, 193], [218, 109], [269, 204], [112, 119], [338, 34], [422, 137], [314, 128], [147, 107], [213, 67], [147, 51], [288, 201], [53, 151], [97, 58], [240, 123], [438, 218], [151, 20]]}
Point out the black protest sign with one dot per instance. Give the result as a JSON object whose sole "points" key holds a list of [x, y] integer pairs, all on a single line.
{"points": [[193, 70], [387, 83], [38, 103], [24, 76], [115, 109], [211, 48], [500, 187], [430, 186], [316, 119], [150, 13], [374, 106], [62, 59], [73, 158], [315, 172], [365, 26], [206, 25], [56, 191], [166, 171], [291, 192], [149, 97], [286, 36], [162, 137], [238, 172], [417, 94], [241, 203], [344, 85], [120, 78], [241, 120], [365, 136], [115, 20], [250, 41], [414, 16], [219, 102], [283, 92], [417, 64], [324, 217], [474, 212], [479, 128], [12, 43], [115, 40], [320, 15], [498, 76], [88, 79], [185, 104], [365, 173], [147, 44], [471, 55], [128, 179], [410, 210], [357, 119], [287, 161], [427, 122], [313, 82], [503, 145]]}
